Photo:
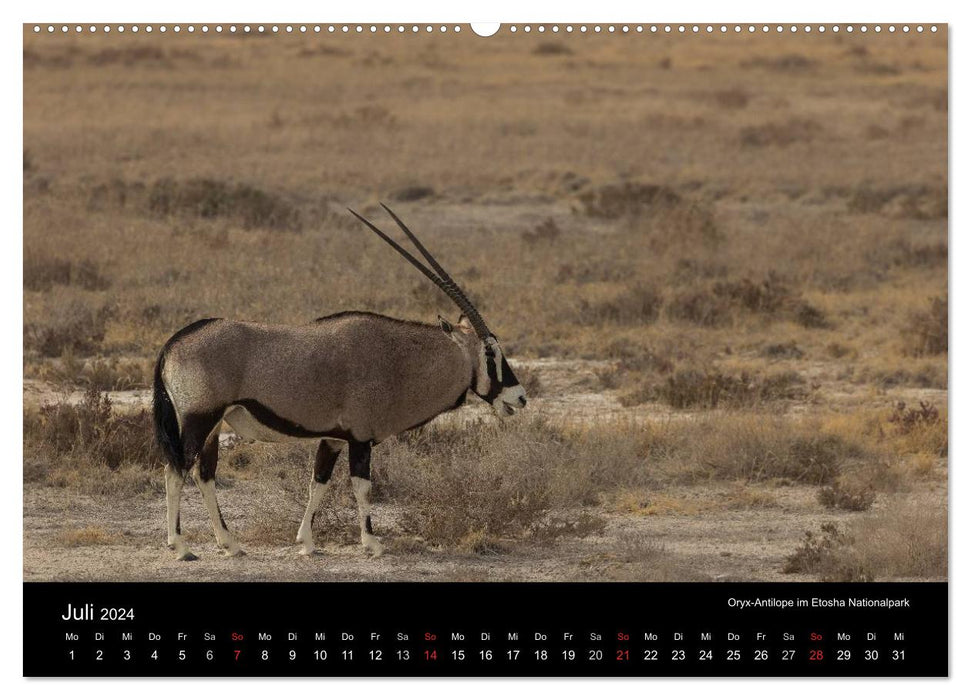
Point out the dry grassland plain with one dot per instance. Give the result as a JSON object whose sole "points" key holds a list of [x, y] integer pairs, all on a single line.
{"points": [[719, 264]]}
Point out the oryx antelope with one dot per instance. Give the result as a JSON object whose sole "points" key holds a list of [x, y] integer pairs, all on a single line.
{"points": [[353, 377]]}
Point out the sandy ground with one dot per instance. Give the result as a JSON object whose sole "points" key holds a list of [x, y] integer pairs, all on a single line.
{"points": [[734, 545], [739, 545], [704, 541]]}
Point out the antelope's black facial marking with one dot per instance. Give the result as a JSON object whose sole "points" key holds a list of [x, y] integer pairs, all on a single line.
{"points": [[495, 386], [508, 378], [498, 384], [499, 381]]}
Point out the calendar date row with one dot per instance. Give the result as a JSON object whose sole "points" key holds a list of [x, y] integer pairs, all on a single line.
{"points": [[433, 654]]}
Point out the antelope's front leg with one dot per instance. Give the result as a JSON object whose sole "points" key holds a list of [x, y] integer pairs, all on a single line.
{"points": [[327, 453], [360, 461]]}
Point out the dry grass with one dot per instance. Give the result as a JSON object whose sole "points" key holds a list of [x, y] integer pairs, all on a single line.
{"points": [[898, 429], [712, 388], [91, 448], [903, 542], [42, 273], [546, 232], [640, 558], [847, 495], [780, 134], [208, 199], [75, 326], [86, 537], [575, 248], [760, 448], [92, 427], [636, 306], [516, 481], [919, 430], [475, 489], [905, 202], [101, 374], [287, 468], [645, 502], [488, 483], [926, 331]]}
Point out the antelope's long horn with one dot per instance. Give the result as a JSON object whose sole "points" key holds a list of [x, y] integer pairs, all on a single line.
{"points": [[450, 289], [474, 317]]}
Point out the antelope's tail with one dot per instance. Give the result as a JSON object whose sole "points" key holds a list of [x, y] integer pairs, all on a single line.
{"points": [[166, 422]]}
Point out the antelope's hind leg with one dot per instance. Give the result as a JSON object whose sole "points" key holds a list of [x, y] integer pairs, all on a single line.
{"points": [[359, 455], [173, 496], [327, 453], [204, 474]]}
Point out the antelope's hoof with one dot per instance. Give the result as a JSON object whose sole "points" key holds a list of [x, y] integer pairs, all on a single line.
{"points": [[308, 550], [234, 552], [187, 556]]}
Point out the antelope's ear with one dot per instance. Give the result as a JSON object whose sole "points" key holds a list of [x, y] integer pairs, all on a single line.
{"points": [[446, 326], [464, 322]]}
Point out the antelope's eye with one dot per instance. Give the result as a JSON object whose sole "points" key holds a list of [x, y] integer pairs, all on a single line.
{"points": [[489, 352]]}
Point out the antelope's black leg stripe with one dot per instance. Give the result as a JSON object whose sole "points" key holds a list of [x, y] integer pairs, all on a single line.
{"points": [[324, 462], [360, 464], [359, 454], [196, 429]]}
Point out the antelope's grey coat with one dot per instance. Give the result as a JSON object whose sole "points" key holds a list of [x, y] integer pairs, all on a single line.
{"points": [[353, 376]]}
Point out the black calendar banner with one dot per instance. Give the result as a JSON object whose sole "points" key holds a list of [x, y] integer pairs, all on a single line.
{"points": [[485, 629]]}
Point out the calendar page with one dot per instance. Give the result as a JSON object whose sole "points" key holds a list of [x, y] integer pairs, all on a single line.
{"points": [[514, 350]]}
